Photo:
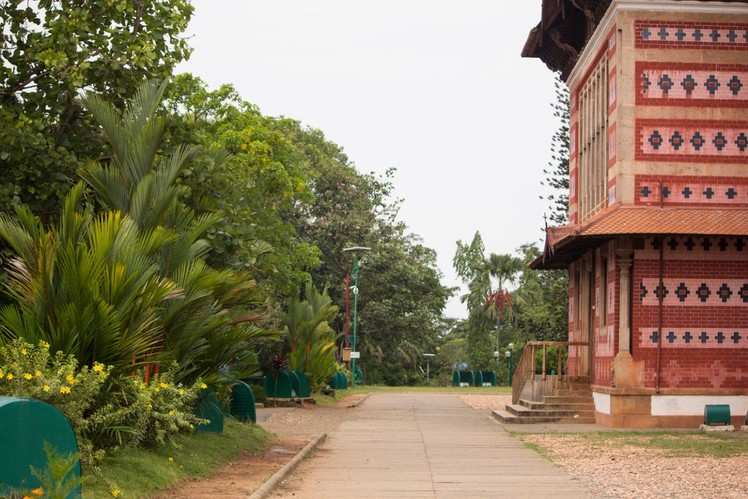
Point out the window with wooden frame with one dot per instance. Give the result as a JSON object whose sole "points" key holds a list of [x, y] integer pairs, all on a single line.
{"points": [[593, 142]]}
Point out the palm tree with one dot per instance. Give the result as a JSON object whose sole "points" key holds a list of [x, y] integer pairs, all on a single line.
{"points": [[89, 286], [312, 340], [207, 329]]}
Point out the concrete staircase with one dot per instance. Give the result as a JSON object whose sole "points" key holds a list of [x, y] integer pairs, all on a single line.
{"points": [[570, 404]]}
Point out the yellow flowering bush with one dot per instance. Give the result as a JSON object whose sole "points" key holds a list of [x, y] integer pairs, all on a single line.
{"points": [[31, 371]]}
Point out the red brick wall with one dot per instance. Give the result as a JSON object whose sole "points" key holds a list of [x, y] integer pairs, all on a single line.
{"points": [[705, 312]]}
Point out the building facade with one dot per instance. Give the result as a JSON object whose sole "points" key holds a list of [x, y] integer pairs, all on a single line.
{"points": [[657, 245]]}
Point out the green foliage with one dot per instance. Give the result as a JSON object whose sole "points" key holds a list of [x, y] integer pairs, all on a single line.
{"points": [[204, 325], [485, 320], [557, 172], [88, 286], [312, 340], [540, 301], [131, 413], [59, 479], [253, 171], [51, 50], [401, 304]]}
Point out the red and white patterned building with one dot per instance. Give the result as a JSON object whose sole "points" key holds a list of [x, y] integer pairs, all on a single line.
{"points": [[657, 245]]}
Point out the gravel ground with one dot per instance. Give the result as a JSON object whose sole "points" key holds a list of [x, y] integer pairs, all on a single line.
{"points": [[618, 470], [492, 402]]}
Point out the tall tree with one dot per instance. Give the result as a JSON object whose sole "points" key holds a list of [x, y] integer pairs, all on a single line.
{"points": [[477, 271], [53, 49], [540, 302], [556, 174]]}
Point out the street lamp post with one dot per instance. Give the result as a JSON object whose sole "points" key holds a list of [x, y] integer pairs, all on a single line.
{"points": [[354, 274], [508, 355], [428, 356]]}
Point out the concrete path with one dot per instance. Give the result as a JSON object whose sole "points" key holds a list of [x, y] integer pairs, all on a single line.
{"points": [[425, 445]]}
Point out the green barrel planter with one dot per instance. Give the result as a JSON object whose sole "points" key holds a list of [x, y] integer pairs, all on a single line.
{"points": [[209, 408], [243, 403], [302, 387], [489, 377], [466, 377], [339, 382], [279, 386], [25, 426]]}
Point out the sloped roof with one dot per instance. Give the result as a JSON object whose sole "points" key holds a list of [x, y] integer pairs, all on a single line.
{"points": [[564, 244], [564, 28]]}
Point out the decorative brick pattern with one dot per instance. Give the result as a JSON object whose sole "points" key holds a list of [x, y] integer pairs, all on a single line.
{"points": [[704, 85], [691, 35], [708, 365], [694, 337], [687, 191], [689, 248], [694, 292], [692, 141]]}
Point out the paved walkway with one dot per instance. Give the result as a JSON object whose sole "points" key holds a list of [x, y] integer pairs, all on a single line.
{"points": [[425, 445]]}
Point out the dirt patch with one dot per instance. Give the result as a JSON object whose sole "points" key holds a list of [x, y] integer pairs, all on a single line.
{"points": [[241, 477], [487, 402], [308, 421], [612, 468]]}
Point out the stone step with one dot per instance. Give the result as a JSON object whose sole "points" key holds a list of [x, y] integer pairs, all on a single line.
{"points": [[506, 417], [520, 410], [566, 399], [582, 406]]}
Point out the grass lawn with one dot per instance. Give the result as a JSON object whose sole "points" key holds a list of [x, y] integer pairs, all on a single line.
{"points": [[670, 443], [679, 444], [142, 472]]}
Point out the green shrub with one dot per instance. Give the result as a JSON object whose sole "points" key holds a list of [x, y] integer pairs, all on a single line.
{"points": [[136, 414]]}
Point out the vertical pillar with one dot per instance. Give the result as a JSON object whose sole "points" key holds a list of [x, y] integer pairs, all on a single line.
{"points": [[624, 321], [626, 372]]}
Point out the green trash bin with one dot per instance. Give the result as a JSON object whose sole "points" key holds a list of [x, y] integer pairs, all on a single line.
{"points": [[717, 414], [477, 378], [243, 403], [455, 378], [25, 426]]}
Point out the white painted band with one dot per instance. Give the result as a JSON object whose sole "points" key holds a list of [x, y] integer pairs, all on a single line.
{"points": [[693, 405], [602, 402]]}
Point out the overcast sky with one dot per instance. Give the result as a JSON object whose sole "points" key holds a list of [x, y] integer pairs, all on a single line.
{"points": [[434, 88]]}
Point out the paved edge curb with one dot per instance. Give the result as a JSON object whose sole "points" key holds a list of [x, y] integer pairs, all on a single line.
{"points": [[358, 402], [287, 469]]}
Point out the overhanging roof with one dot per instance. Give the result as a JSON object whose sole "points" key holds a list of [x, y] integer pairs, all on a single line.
{"points": [[565, 27], [565, 244]]}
